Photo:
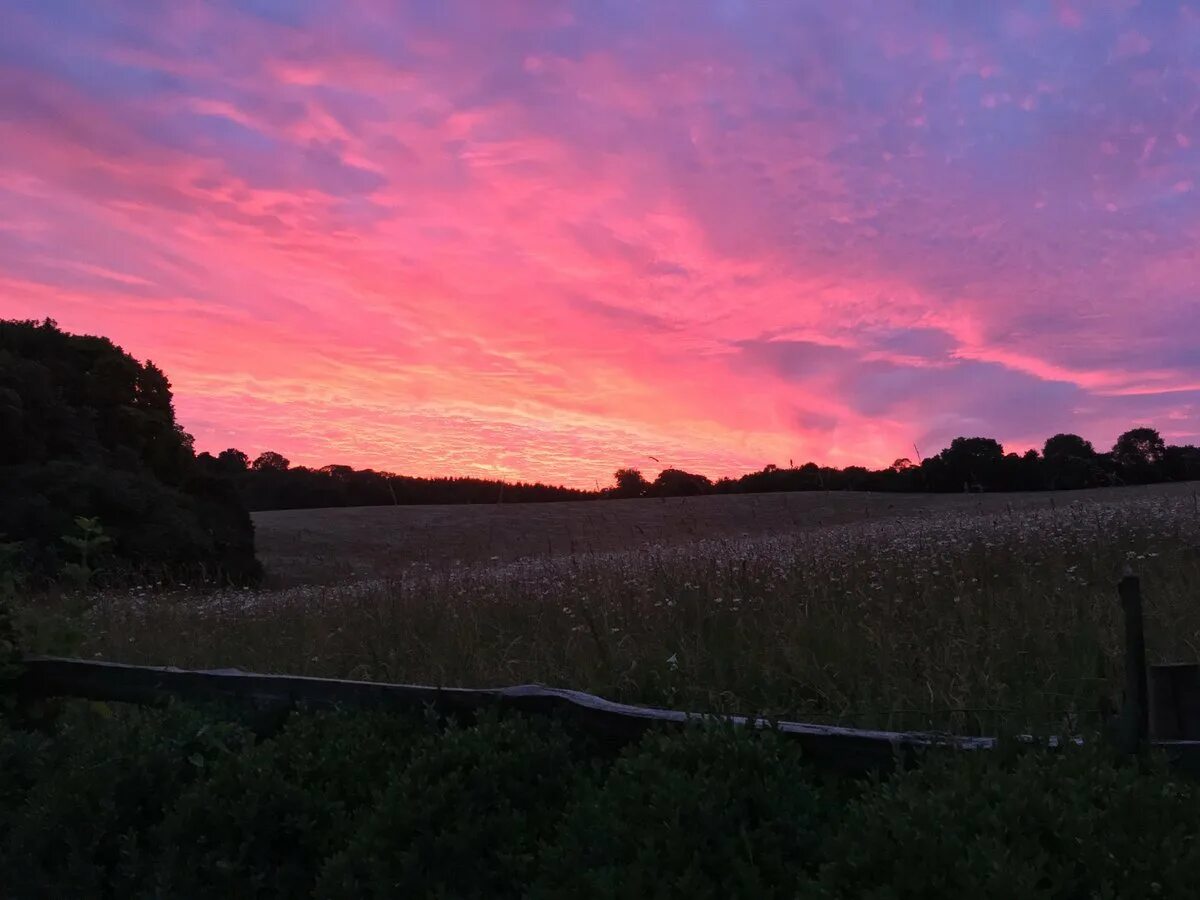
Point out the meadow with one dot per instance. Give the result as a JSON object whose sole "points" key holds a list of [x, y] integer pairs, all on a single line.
{"points": [[971, 614]]}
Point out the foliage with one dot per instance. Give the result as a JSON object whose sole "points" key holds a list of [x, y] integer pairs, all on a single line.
{"points": [[493, 794], [90, 434], [90, 542], [259, 821], [100, 788], [725, 812], [10, 580], [1065, 824], [1067, 462], [629, 483], [272, 482], [117, 802]]}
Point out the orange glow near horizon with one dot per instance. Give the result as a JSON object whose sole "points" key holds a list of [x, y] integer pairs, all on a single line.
{"points": [[476, 241]]}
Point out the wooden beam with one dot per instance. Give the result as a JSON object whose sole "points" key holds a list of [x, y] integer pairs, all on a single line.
{"points": [[1135, 725], [844, 749], [848, 750]]}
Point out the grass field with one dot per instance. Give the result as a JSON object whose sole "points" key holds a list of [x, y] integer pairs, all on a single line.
{"points": [[973, 614], [328, 546]]}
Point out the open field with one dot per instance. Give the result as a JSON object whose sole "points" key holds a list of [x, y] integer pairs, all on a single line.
{"points": [[327, 546], [943, 617]]}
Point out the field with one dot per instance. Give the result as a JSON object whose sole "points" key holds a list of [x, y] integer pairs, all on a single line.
{"points": [[327, 546], [968, 613]]}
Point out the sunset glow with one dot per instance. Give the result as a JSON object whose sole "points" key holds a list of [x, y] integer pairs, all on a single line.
{"points": [[544, 240]]}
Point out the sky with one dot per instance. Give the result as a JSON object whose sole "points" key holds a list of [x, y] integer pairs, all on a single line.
{"points": [[542, 239]]}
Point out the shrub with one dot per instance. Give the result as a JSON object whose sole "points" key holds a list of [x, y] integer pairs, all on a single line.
{"points": [[260, 823], [1067, 824], [465, 818], [184, 803], [104, 780], [710, 812], [152, 526]]}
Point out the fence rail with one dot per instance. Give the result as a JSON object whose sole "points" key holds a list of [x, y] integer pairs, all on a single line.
{"points": [[837, 747], [1167, 717]]}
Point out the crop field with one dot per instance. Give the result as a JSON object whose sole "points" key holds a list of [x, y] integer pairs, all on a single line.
{"points": [[975, 614], [327, 546]]}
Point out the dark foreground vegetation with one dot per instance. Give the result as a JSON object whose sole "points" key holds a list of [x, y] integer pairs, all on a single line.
{"points": [[109, 801], [95, 470]]}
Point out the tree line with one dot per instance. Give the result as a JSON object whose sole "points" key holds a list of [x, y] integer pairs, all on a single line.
{"points": [[1066, 462], [92, 458], [270, 481], [971, 464]]}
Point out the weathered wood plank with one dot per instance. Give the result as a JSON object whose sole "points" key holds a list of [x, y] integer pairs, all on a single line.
{"points": [[846, 749], [838, 748]]}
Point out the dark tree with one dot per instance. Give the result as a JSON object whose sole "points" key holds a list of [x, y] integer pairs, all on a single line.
{"points": [[1182, 463], [1070, 462], [972, 463], [90, 431], [1066, 446], [233, 462], [678, 483], [629, 483], [270, 461], [1139, 455]]}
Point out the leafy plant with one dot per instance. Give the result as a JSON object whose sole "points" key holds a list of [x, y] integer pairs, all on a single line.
{"points": [[90, 541], [260, 823], [106, 777], [711, 812], [1066, 824], [465, 818]]}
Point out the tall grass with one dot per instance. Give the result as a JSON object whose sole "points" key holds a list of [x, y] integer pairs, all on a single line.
{"points": [[966, 623]]}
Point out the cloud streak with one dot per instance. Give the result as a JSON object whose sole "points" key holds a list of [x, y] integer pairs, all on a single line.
{"points": [[464, 238]]}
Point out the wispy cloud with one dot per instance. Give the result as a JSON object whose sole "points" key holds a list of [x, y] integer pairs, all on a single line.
{"points": [[465, 237]]}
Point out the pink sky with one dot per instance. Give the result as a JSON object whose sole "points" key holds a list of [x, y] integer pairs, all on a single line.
{"points": [[544, 240]]}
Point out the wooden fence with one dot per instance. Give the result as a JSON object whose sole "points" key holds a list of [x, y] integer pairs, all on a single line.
{"points": [[1163, 710], [849, 749]]}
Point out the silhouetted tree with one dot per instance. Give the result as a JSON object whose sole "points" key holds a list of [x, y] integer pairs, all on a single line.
{"points": [[677, 483], [233, 462], [629, 483], [90, 431], [1139, 455], [1182, 463], [1070, 462], [270, 461], [972, 463]]}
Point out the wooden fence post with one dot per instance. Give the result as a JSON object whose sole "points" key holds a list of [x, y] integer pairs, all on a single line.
{"points": [[1136, 719]]}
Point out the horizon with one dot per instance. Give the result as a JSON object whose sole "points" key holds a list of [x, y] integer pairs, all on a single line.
{"points": [[476, 241]]}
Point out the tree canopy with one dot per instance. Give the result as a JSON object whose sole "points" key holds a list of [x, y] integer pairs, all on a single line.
{"points": [[90, 432]]}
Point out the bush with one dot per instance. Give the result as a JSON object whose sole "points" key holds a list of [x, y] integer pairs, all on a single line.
{"points": [[104, 782], [1066, 824], [466, 818], [153, 527], [260, 823], [182, 803], [712, 812]]}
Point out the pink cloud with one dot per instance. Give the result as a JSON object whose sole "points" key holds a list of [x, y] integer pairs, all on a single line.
{"points": [[545, 246]]}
